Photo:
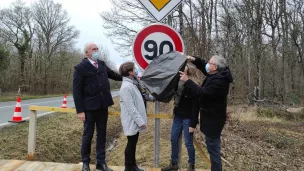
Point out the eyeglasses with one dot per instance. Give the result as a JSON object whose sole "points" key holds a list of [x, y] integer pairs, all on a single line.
{"points": [[212, 63]]}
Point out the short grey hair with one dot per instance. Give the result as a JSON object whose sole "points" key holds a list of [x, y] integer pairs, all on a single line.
{"points": [[86, 46], [220, 62]]}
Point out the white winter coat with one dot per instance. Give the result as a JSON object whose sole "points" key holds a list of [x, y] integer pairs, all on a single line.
{"points": [[133, 112]]}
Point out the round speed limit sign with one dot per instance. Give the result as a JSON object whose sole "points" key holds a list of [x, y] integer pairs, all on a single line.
{"points": [[153, 41]]}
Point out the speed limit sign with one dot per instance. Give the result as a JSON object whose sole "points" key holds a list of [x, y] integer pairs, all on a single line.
{"points": [[153, 41]]}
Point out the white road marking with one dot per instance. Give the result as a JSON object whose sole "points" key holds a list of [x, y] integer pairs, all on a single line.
{"points": [[25, 119], [33, 103], [38, 115]]}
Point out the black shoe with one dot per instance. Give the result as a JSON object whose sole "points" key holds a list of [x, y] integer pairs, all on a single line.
{"points": [[191, 167], [128, 168], [102, 167], [86, 167], [135, 168], [172, 167]]}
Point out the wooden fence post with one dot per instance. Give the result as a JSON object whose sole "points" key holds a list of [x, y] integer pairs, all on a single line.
{"points": [[32, 135]]}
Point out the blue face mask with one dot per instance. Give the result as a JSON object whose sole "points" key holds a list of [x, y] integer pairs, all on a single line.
{"points": [[95, 55], [207, 67], [136, 72]]}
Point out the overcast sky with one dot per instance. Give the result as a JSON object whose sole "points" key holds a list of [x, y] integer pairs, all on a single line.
{"points": [[85, 17]]}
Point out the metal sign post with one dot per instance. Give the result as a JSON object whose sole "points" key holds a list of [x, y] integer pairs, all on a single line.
{"points": [[157, 36], [156, 136]]}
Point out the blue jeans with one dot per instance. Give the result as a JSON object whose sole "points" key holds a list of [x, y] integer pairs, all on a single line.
{"points": [[180, 124], [214, 150]]}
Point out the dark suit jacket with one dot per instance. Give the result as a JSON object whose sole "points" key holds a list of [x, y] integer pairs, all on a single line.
{"points": [[91, 87]]}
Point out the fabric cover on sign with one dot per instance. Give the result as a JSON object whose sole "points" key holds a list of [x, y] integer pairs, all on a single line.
{"points": [[162, 75]]}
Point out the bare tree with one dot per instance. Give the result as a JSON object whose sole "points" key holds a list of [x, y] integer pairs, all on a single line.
{"points": [[272, 16], [296, 32], [284, 24], [53, 31], [17, 28], [44, 54], [262, 40], [122, 23]]}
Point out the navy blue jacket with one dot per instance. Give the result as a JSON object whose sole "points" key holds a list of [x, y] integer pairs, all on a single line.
{"points": [[91, 87], [212, 99]]}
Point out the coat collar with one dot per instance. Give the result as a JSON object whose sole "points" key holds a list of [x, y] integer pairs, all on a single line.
{"points": [[127, 79], [88, 64]]}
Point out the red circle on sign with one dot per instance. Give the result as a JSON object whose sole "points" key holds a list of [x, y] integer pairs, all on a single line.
{"points": [[179, 46]]}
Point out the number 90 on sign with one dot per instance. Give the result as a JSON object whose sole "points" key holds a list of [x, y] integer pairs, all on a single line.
{"points": [[156, 44], [155, 40]]}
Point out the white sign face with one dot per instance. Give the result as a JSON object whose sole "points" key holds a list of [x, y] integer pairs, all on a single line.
{"points": [[156, 44], [153, 41], [159, 9]]}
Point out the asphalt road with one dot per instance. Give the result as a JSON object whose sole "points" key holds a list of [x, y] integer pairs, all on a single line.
{"points": [[7, 108]]}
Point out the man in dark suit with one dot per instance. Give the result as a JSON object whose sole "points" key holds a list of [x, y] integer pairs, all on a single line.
{"points": [[92, 97]]}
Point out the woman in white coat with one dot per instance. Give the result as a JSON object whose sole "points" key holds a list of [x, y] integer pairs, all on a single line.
{"points": [[133, 113]]}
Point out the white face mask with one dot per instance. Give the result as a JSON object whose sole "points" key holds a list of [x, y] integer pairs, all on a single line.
{"points": [[96, 55]]}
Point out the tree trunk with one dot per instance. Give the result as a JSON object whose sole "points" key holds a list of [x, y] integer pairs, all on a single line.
{"points": [[217, 47], [275, 63], [259, 42], [260, 80], [45, 79], [22, 56], [203, 32], [284, 46], [181, 21], [209, 43], [248, 73]]}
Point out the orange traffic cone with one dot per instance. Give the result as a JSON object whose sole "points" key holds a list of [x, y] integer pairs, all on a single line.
{"points": [[64, 103], [17, 118]]}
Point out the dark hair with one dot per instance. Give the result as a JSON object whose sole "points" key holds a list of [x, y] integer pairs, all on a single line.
{"points": [[125, 68]]}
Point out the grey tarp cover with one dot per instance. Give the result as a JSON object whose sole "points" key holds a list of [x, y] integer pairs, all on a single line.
{"points": [[162, 75]]}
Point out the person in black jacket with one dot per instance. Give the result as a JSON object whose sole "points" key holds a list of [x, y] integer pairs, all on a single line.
{"points": [[92, 97], [186, 112], [213, 102]]}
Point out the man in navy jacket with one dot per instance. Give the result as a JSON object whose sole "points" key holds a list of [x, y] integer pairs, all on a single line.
{"points": [[92, 97]]}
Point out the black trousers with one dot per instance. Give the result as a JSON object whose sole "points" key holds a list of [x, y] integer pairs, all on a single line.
{"points": [[131, 150], [99, 118]]}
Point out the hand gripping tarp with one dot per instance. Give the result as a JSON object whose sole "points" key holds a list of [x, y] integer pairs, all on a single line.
{"points": [[162, 75]]}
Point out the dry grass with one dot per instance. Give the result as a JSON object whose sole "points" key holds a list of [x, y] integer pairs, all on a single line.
{"points": [[249, 142], [260, 143], [145, 148], [245, 113], [58, 138]]}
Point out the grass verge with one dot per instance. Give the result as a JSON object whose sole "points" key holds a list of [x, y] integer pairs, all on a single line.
{"points": [[249, 141], [58, 138]]}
